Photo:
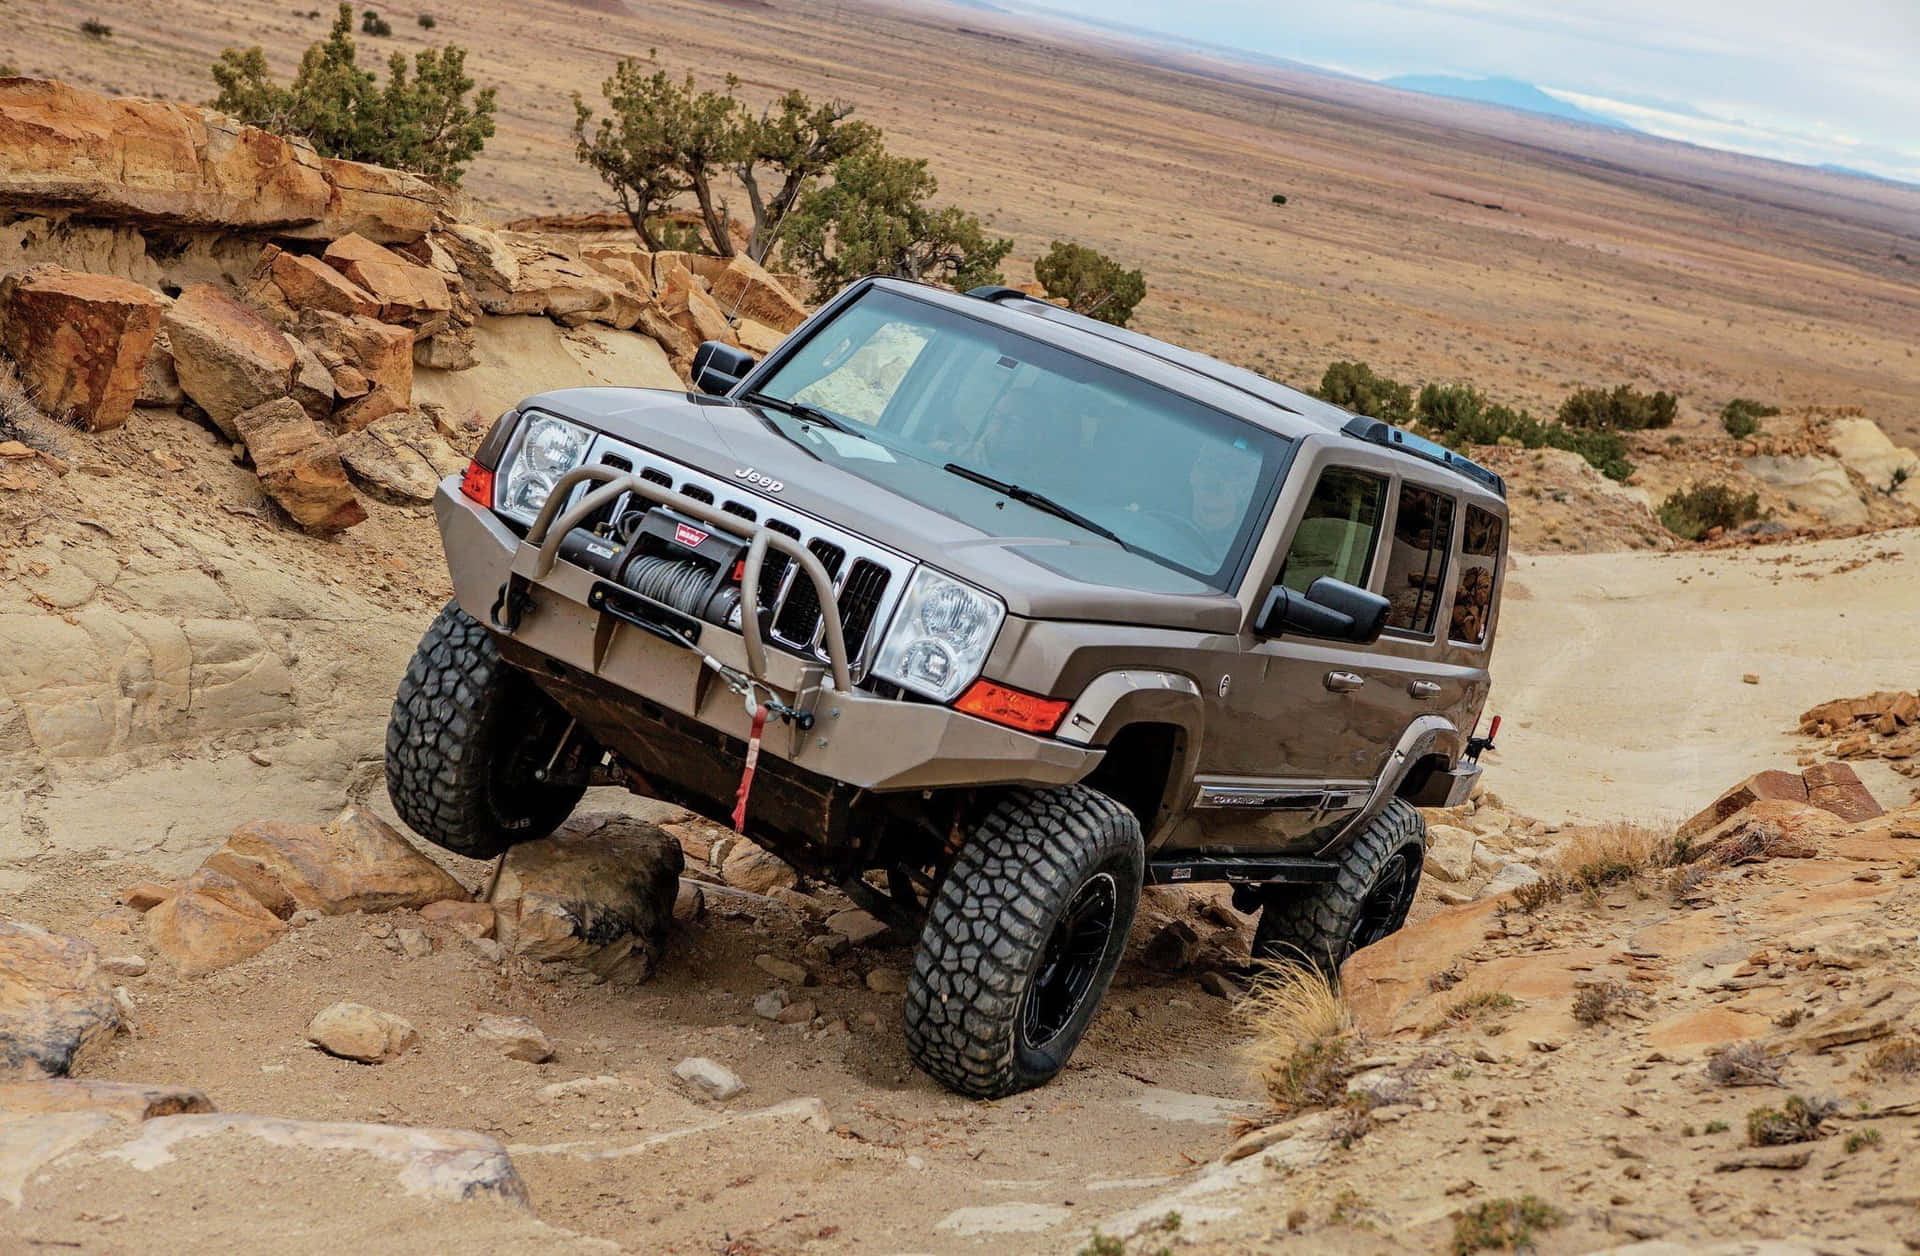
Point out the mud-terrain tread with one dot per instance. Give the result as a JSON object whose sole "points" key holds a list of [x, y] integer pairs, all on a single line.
{"points": [[1312, 923], [989, 922], [457, 692]]}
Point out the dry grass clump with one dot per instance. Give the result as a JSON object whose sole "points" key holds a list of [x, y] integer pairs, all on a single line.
{"points": [[1612, 853], [22, 419], [1471, 1009], [1596, 1004], [1550, 888], [1303, 1039], [1897, 1057], [1744, 1064], [1508, 1225], [1795, 1121]]}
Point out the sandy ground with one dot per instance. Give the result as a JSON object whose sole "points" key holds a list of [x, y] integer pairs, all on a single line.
{"points": [[1620, 676]]}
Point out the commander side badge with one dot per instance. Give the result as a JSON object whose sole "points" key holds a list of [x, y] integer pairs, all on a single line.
{"points": [[1226, 683]]}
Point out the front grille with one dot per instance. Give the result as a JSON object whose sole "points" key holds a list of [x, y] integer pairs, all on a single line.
{"points": [[867, 580]]}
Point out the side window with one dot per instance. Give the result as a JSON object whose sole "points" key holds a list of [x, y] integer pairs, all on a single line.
{"points": [[1473, 595], [1417, 559], [1337, 535]]}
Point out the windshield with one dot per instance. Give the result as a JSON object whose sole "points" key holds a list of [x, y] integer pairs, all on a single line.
{"points": [[1172, 480]]}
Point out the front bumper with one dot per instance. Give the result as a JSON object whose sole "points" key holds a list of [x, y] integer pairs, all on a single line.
{"points": [[856, 739]]}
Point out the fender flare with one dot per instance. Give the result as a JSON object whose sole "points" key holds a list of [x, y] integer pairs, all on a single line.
{"points": [[1113, 700], [1425, 735]]}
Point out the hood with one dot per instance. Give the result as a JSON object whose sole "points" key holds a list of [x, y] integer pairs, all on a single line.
{"points": [[1043, 566]]}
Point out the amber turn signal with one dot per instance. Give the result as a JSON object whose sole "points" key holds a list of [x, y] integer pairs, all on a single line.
{"points": [[476, 485], [1025, 711]]}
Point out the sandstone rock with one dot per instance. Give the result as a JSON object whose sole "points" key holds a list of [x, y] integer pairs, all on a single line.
{"points": [[451, 1165], [742, 289], [486, 263], [469, 920], [312, 383], [796, 1013], [211, 923], [129, 1101], [1221, 986], [717, 1080], [1770, 828], [679, 345], [887, 981], [354, 1031], [399, 458], [691, 307], [124, 965], [413, 943], [1511, 876], [379, 351], [1866, 450], [857, 926], [301, 282], [228, 358], [516, 1037], [299, 466], [749, 867], [405, 292], [771, 1003], [689, 902], [756, 338], [1450, 852], [600, 891], [1764, 785], [449, 350], [783, 970], [56, 1006], [1172, 947], [159, 382], [80, 342], [144, 896], [1835, 787], [1812, 483], [385, 205], [354, 862]]}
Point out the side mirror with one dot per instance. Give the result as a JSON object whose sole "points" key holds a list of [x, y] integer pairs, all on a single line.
{"points": [[718, 367], [1330, 609]]}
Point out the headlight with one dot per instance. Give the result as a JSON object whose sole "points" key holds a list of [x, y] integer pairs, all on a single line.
{"points": [[547, 449], [940, 636]]}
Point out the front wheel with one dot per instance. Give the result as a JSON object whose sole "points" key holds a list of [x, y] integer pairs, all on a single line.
{"points": [[1367, 900], [467, 740], [1022, 939]]}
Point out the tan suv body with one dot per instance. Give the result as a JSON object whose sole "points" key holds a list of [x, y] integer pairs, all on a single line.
{"points": [[1231, 636]]}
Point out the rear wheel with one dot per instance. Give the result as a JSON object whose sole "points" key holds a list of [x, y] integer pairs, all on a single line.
{"points": [[467, 741], [1368, 899], [1022, 939]]}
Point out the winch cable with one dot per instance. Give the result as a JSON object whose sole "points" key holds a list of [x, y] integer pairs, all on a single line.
{"points": [[676, 581]]}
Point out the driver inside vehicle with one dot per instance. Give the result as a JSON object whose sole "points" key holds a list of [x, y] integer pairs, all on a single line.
{"points": [[1221, 479]]}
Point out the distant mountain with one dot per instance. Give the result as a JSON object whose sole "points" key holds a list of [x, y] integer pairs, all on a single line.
{"points": [[1507, 93]]}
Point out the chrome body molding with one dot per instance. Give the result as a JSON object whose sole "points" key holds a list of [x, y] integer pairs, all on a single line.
{"points": [[1105, 691]]}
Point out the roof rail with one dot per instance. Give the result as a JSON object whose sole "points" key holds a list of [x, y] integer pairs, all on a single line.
{"points": [[997, 292], [1381, 432]]}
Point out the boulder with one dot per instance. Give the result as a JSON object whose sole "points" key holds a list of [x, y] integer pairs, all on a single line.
{"points": [[679, 344], [228, 358], [599, 891], [56, 1005], [449, 350], [1784, 786], [1772, 827], [299, 466], [573, 293], [354, 1031], [1867, 451], [717, 1080], [380, 352], [312, 383], [129, 1101], [757, 338], [469, 920], [159, 382], [399, 458], [515, 1037], [354, 862], [487, 265], [633, 267], [80, 341], [211, 923], [404, 291], [1450, 853], [1813, 483], [752, 868], [1837, 788], [290, 282], [691, 308], [744, 290]]}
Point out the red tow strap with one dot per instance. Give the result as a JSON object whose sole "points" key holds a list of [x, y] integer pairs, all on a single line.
{"points": [[746, 776]]}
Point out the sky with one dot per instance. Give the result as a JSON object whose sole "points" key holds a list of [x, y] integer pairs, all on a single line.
{"points": [[1834, 82]]}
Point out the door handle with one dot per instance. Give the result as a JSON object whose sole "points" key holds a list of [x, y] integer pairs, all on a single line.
{"points": [[1344, 682], [1422, 689]]}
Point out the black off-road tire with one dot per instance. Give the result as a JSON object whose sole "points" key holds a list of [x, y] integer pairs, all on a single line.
{"points": [[1378, 877], [1014, 930], [462, 742]]}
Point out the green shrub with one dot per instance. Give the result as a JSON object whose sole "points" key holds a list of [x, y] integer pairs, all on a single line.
{"points": [[1279, 198], [1698, 509], [1090, 282], [372, 23], [1795, 1121], [1623, 409], [1741, 416], [1458, 416], [1353, 386], [1509, 1225], [875, 217], [425, 123], [427, 21], [94, 28]]}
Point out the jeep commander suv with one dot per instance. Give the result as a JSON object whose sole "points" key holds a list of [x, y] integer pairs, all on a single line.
{"points": [[991, 614]]}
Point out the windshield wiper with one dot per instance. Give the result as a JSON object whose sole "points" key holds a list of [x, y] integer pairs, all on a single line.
{"points": [[1039, 501], [799, 410]]}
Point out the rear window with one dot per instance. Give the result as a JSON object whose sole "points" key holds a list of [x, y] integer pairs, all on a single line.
{"points": [[1473, 594], [1417, 559]]}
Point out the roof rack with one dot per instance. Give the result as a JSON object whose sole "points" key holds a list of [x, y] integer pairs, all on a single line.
{"points": [[1381, 432], [997, 292]]}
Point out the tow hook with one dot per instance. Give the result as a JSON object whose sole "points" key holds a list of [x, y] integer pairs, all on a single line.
{"points": [[515, 603], [1477, 744]]}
